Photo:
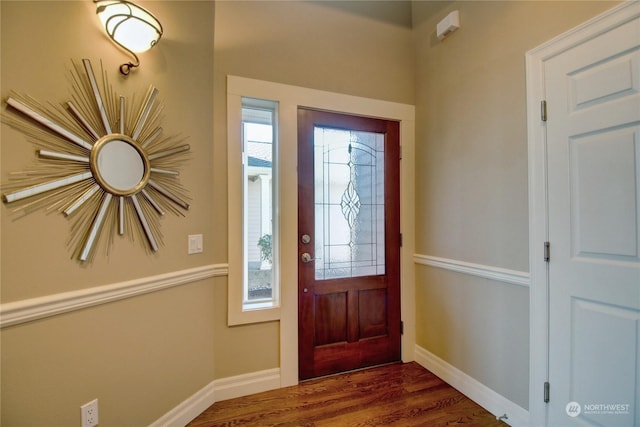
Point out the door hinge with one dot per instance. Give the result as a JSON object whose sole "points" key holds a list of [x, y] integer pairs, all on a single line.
{"points": [[543, 111], [547, 252], [400, 239], [400, 152], [401, 327], [546, 392]]}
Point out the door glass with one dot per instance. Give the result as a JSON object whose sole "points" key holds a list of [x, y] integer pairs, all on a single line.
{"points": [[349, 203]]}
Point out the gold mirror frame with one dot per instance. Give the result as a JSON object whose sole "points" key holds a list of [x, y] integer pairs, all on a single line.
{"points": [[136, 177], [105, 180]]}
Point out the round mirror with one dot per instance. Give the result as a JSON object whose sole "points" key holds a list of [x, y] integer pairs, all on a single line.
{"points": [[118, 165]]}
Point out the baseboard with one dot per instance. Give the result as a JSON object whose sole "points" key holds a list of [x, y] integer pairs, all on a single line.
{"points": [[218, 390], [182, 414], [244, 385], [493, 402], [256, 382]]}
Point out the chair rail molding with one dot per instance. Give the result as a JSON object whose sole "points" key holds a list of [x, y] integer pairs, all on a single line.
{"points": [[27, 310], [504, 275]]}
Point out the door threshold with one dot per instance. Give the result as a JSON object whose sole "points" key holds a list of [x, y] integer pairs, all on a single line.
{"points": [[364, 368]]}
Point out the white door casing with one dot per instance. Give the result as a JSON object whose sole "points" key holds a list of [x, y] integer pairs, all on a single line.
{"points": [[593, 143], [585, 184], [289, 98]]}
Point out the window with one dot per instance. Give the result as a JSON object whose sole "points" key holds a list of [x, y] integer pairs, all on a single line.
{"points": [[254, 232], [260, 231]]}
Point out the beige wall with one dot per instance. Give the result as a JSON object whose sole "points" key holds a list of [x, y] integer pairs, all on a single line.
{"points": [[363, 50], [144, 355], [38, 44], [471, 179], [140, 356], [359, 49]]}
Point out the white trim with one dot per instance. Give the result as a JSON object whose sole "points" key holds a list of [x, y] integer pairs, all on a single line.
{"points": [[512, 277], [188, 410], [238, 312], [246, 384], [493, 402], [538, 226], [289, 98], [270, 379], [219, 390], [14, 313]]}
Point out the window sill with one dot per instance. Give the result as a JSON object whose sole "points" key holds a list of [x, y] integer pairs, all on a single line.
{"points": [[253, 315]]}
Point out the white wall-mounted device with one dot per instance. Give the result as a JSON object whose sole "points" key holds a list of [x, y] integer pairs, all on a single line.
{"points": [[448, 25]]}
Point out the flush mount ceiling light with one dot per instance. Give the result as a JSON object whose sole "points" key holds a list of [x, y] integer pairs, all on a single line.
{"points": [[130, 26]]}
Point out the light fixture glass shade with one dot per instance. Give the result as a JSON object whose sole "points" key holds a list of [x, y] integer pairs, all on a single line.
{"points": [[129, 25]]}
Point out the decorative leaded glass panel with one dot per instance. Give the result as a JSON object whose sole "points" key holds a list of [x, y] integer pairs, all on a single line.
{"points": [[349, 203]]}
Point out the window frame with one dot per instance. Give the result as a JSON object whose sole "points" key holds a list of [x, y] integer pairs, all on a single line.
{"points": [[274, 300], [240, 310]]}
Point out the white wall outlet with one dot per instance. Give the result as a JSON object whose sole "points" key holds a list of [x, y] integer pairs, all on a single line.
{"points": [[195, 244], [89, 413]]}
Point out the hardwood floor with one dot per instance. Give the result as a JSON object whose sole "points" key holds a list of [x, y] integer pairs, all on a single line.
{"points": [[392, 395]]}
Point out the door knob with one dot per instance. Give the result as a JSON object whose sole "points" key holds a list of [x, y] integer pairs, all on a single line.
{"points": [[305, 257]]}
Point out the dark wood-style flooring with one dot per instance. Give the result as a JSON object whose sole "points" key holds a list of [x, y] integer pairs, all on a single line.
{"points": [[392, 395]]}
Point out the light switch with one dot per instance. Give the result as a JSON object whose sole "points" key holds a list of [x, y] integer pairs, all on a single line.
{"points": [[195, 243]]}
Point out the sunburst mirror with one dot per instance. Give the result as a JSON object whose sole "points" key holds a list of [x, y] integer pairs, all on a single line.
{"points": [[102, 161]]}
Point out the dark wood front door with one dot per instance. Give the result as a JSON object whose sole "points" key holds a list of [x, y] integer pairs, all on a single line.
{"points": [[349, 242]]}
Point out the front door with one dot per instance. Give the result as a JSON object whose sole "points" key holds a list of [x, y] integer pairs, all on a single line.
{"points": [[593, 134], [349, 242]]}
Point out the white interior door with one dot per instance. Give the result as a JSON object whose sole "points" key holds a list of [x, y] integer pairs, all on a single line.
{"points": [[593, 136]]}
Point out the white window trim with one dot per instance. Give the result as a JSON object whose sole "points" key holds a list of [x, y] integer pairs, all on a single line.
{"points": [[289, 98]]}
